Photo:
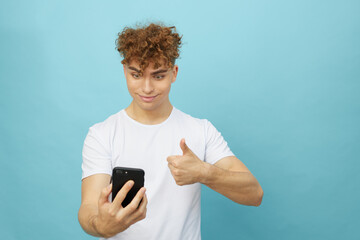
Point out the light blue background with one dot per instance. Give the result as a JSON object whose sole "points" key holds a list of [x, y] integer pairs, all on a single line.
{"points": [[280, 80]]}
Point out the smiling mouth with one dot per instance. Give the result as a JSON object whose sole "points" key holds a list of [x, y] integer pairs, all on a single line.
{"points": [[148, 99]]}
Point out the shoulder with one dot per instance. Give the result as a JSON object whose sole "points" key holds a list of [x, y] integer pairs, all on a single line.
{"points": [[108, 125], [200, 124], [188, 119], [104, 132], [197, 126]]}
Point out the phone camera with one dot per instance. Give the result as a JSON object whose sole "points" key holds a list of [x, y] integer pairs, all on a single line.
{"points": [[125, 172]]}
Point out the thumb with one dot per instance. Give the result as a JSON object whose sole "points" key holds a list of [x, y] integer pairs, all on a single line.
{"points": [[104, 195], [186, 150]]}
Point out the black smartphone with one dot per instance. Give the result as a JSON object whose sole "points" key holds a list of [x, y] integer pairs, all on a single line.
{"points": [[121, 175]]}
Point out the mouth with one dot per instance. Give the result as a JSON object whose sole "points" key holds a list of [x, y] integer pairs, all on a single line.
{"points": [[148, 98]]}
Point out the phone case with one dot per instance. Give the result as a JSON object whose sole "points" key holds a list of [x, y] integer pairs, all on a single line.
{"points": [[121, 175]]}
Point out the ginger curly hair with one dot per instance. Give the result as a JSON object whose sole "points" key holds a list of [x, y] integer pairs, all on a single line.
{"points": [[153, 43]]}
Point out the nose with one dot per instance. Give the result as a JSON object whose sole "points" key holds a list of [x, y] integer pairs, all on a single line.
{"points": [[147, 86]]}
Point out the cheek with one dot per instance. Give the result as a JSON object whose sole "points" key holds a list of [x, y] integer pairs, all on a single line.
{"points": [[165, 86], [131, 90], [131, 85]]}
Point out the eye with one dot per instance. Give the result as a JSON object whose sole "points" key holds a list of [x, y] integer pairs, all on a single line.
{"points": [[135, 75], [158, 77]]}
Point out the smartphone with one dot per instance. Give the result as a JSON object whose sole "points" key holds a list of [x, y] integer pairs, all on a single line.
{"points": [[121, 175]]}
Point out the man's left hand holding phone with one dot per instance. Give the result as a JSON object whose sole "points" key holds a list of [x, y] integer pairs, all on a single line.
{"points": [[112, 218]]}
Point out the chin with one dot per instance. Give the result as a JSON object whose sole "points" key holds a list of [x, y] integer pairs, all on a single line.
{"points": [[147, 106]]}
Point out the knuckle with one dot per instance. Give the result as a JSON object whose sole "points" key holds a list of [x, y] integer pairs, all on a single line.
{"points": [[179, 183], [126, 223], [131, 207], [112, 213], [118, 218], [126, 187]]}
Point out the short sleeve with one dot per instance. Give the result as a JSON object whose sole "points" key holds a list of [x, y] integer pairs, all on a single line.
{"points": [[96, 155], [216, 147]]}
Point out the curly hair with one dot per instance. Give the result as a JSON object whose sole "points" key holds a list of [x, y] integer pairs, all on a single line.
{"points": [[153, 43]]}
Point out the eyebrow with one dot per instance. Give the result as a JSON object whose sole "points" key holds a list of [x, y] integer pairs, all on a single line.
{"points": [[153, 73], [159, 71], [135, 69]]}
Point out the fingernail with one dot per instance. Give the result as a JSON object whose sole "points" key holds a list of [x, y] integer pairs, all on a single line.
{"points": [[131, 183]]}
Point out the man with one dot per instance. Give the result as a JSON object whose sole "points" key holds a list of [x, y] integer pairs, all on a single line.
{"points": [[176, 151]]}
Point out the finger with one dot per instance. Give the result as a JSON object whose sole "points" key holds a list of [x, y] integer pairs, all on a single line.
{"points": [[141, 211], [172, 160], [173, 171], [120, 196], [143, 203], [134, 204], [171, 167], [104, 195], [185, 149]]}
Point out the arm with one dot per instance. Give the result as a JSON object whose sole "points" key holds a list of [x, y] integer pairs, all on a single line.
{"points": [[91, 188], [229, 176], [101, 218]]}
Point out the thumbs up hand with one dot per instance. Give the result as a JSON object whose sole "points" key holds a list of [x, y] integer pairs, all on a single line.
{"points": [[187, 168]]}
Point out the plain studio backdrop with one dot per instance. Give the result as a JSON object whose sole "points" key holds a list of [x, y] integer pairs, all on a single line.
{"points": [[279, 79]]}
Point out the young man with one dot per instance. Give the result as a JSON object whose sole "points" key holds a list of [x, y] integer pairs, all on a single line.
{"points": [[177, 152]]}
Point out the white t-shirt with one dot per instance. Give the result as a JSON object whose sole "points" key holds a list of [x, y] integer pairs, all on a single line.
{"points": [[173, 212]]}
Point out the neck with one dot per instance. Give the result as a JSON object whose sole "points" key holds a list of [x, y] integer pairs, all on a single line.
{"points": [[149, 117]]}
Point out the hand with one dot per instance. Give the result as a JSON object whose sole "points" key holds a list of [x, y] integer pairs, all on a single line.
{"points": [[186, 168], [112, 217]]}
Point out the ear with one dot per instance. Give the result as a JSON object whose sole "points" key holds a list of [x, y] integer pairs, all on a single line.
{"points": [[125, 70], [175, 72]]}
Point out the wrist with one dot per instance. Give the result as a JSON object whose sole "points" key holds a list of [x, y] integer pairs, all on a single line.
{"points": [[206, 173], [95, 225]]}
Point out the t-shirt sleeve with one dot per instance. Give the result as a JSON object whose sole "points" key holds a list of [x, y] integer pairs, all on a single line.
{"points": [[96, 155], [216, 147]]}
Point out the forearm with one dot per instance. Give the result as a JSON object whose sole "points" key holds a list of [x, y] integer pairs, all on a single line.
{"points": [[241, 187], [87, 214]]}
